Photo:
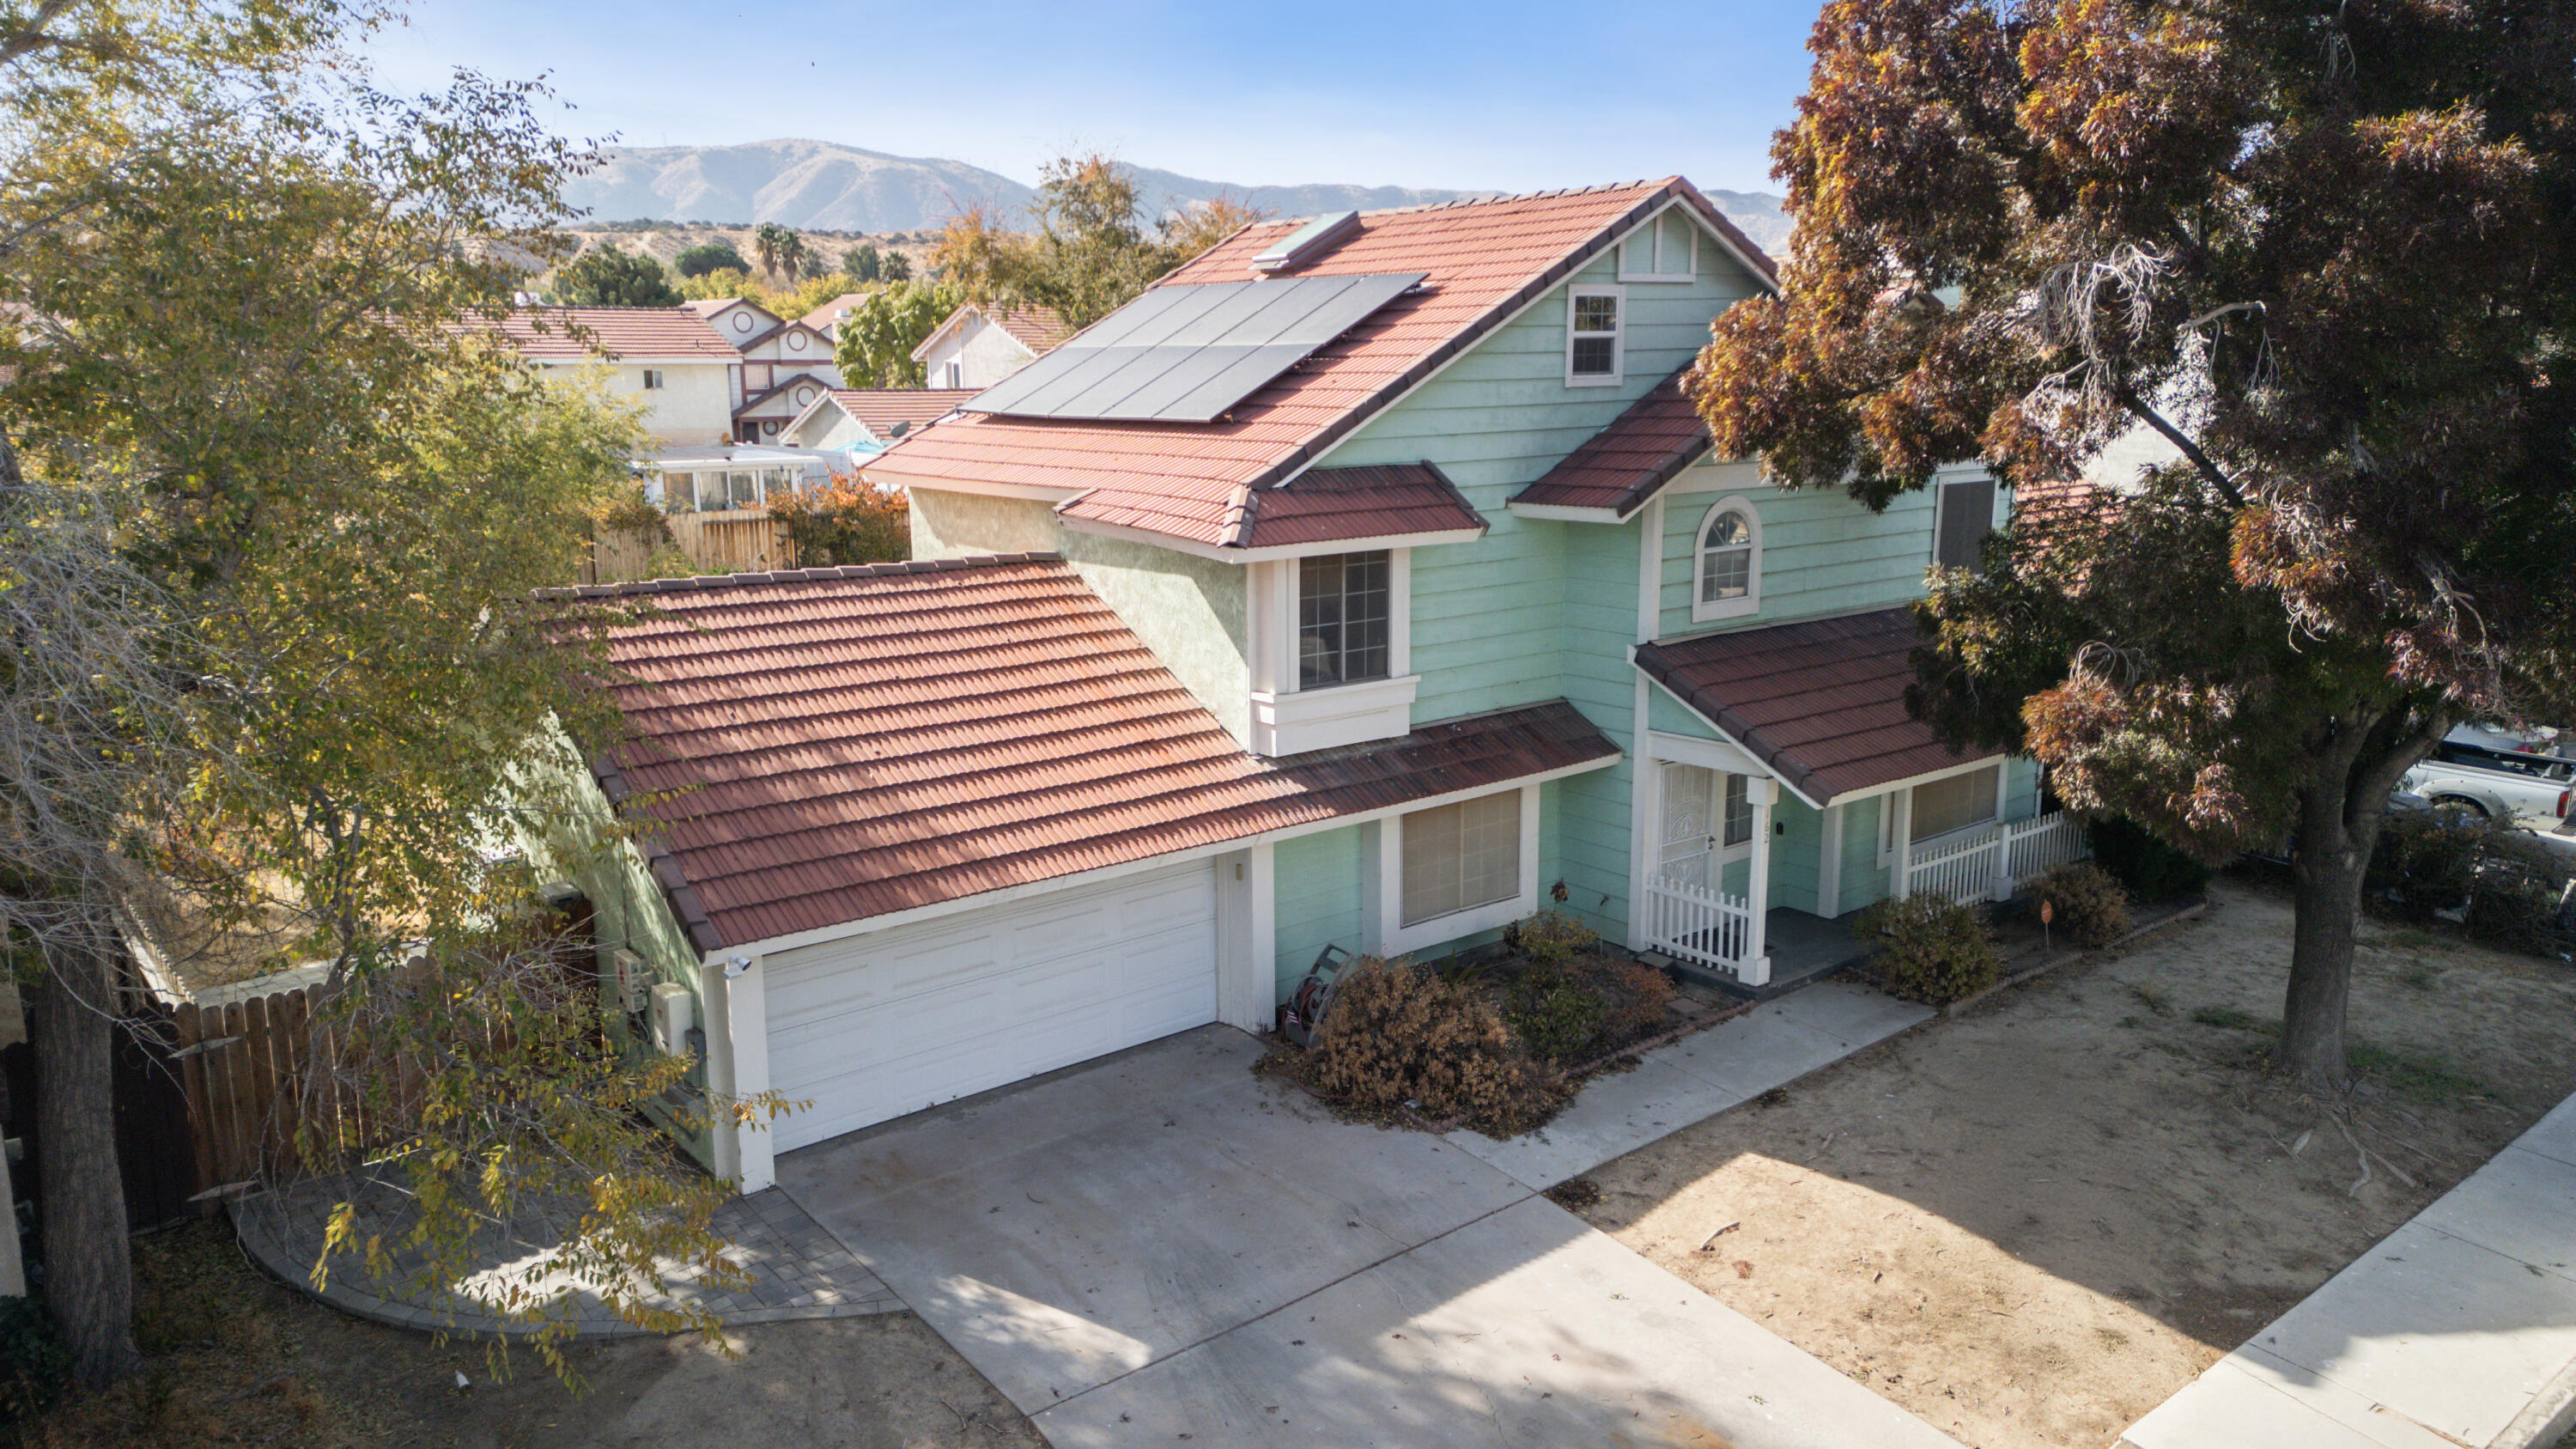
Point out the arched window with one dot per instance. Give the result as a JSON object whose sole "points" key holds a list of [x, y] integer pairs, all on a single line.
{"points": [[1726, 565]]}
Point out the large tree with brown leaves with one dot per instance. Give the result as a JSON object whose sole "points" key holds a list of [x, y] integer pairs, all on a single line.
{"points": [[2321, 248]]}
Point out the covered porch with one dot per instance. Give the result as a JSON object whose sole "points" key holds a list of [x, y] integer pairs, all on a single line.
{"points": [[1783, 789]]}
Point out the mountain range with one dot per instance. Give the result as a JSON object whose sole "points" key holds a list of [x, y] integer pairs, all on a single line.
{"points": [[824, 186]]}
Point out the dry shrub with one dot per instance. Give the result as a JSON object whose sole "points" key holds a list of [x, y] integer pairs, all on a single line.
{"points": [[1399, 1035], [2092, 908], [846, 522], [1931, 948]]}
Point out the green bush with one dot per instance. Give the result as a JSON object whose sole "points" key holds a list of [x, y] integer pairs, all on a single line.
{"points": [[1553, 1016], [2151, 869], [2427, 861], [1931, 948], [1551, 936], [34, 1364], [710, 256], [2092, 909]]}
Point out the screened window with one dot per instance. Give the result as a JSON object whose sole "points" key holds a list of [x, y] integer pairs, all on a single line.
{"points": [[1967, 517], [1955, 803], [1343, 609], [1593, 336], [1457, 857]]}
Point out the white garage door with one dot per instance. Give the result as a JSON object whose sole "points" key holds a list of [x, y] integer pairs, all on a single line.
{"points": [[897, 1021]]}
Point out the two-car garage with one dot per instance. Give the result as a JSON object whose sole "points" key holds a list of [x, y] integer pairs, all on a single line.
{"points": [[871, 1027]]}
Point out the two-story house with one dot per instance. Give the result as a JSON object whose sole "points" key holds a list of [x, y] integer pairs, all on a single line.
{"points": [[977, 346], [1357, 585], [784, 364], [687, 379]]}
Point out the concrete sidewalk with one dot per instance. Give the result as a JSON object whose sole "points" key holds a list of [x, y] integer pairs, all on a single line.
{"points": [[1697, 1077], [2458, 1331]]}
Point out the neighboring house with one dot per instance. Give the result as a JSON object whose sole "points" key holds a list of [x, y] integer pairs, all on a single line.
{"points": [[865, 420], [1360, 584], [688, 381], [785, 365], [979, 346], [826, 319]]}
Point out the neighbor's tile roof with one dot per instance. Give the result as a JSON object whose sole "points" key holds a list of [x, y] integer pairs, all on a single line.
{"points": [[826, 745], [1821, 702], [1621, 466], [1336, 505], [1482, 259], [824, 318], [1038, 329], [548, 334], [883, 407]]}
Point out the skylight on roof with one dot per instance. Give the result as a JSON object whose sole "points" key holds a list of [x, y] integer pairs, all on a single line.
{"points": [[1307, 242]]}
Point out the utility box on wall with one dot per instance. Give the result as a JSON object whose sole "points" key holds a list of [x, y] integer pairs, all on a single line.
{"points": [[674, 1012]]}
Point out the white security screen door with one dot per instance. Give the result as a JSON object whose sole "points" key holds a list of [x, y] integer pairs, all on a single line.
{"points": [[1688, 851]]}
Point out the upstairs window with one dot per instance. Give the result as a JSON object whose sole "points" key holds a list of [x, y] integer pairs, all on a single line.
{"points": [[1967, 517], [653, 379], [1595, 336], [953, 375], [1342, 618], [1726, 567]]}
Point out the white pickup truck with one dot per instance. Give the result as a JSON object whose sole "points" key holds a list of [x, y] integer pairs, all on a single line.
{"points": [[2507, 779]]}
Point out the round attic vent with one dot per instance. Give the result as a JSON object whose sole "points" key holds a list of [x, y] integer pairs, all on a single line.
{"points": [[795, 341], [804, 395], [741, 321]]}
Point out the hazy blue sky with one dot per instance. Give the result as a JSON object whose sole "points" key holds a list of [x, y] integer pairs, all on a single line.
{"points": [[1501, 94]]}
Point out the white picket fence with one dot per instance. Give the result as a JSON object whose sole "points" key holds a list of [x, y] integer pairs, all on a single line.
{"points": [[1698, 924], [1990, 864]]}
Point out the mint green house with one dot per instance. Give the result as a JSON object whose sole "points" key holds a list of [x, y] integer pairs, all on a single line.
{"points": [[1361, 585]]}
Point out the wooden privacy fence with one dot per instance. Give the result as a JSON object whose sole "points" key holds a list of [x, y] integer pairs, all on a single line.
{"points": [[747, 540]]}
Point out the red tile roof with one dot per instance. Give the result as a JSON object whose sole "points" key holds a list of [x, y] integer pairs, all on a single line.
{"points": [[883, 407], [1336, 505], [828, 316], [1484, 260], [826, 745], [1038, 329], [1621, 466], [636, 334], [1821, 702]]}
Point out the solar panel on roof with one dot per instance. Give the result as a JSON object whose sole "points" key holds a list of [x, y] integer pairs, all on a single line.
{"points": [[1188, 353]]}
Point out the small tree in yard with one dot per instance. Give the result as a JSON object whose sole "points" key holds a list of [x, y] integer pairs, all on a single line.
{"points": [[878, 337], [2324, 252], [270, 546]]}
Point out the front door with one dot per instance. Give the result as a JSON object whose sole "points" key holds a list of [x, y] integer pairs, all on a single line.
{"points": [[1688, 851]]}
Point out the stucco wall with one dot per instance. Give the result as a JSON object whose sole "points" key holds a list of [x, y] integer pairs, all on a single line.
{"points": [[989, 354], [1192, 612], [693, 407]]}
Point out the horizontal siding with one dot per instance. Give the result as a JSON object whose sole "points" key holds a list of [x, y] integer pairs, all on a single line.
{"points": [[1864, 879], [1798, 834], [1821, 554], [1317, 883]]}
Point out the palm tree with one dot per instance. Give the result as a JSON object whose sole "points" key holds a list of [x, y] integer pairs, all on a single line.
{"points": [[780, 251]]}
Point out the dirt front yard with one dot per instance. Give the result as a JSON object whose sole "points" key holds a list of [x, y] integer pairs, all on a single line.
{"points": [[2033, 1223], [236, 1359]]}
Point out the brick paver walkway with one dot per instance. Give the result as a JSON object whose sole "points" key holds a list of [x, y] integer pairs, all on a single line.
{"points": [[797, 1268]]}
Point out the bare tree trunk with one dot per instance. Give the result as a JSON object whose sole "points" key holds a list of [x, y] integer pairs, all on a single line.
{"points": [[2339, 818], [2326, 867], [89, 1277]]}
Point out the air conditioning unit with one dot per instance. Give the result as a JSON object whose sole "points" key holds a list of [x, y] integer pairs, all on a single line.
{"points": [[634, 981], [674, 1012]]}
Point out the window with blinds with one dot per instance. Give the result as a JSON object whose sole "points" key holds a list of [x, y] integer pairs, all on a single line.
{"points": [[1460, 856]]}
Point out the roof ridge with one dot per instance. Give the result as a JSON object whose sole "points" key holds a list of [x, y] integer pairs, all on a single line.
{"points": [[699, 583], [1459, 202]]}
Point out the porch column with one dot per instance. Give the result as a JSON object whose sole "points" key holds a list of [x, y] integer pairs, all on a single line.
{"points": [[1764, 792], [738, 1032], [1900, 833], [1829, 863]]}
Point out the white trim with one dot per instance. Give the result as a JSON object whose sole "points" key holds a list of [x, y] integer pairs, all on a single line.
{"points": [[1704, 610], [1909, 782], [2000, 764], [1764, 792], [1650, 574], [1723, 756], [1029, 492], [1396, 938], [1399, 614], [1618, 374], [868, 926], [716, 1017], [1247, 938], [746, 1019], [1829, 864], [1333, 715], [1729, 740], [1637, 843], [1653, 226], [957, 320], [1566, 513], [1224, 554]]}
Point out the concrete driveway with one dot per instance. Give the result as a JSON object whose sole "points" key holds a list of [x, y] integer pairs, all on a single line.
{"points": [[1161, 1245]]}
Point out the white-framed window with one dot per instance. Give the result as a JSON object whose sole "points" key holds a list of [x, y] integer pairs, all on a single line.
{"points": [[1664, 250], [1726, 562], [1452, 870], [1965, 517], [1962, 801], [1345, 614], [955, 374], [1596, 332], [654, 381]]}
